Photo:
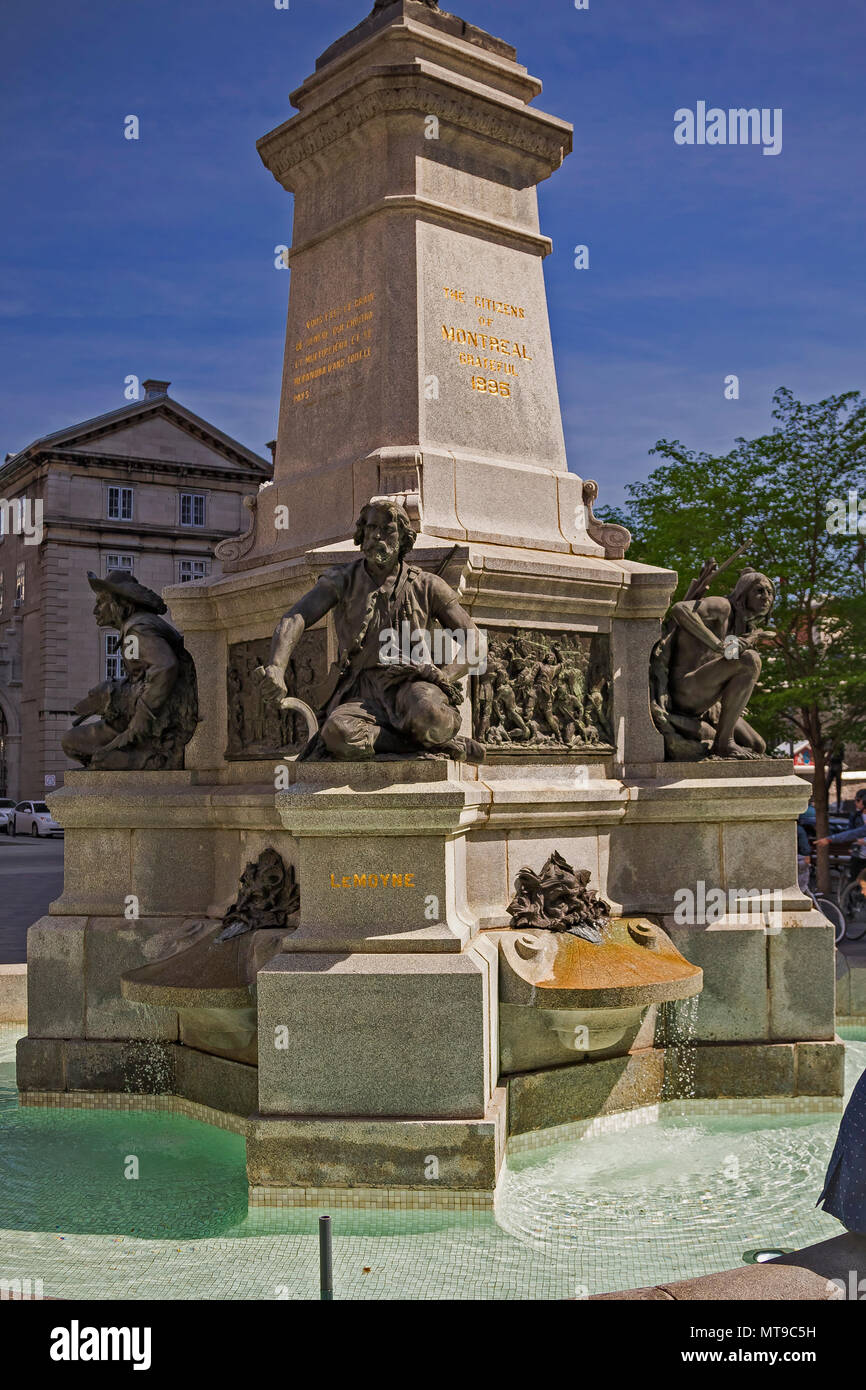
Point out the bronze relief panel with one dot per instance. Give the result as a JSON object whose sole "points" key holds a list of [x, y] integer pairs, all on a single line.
{"points": [[544, 692]]}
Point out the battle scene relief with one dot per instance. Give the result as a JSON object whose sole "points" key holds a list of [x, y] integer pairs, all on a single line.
{"points": [[543, 691]]}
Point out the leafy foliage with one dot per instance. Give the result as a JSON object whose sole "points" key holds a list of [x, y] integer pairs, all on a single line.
{"points": [[782, 490]]}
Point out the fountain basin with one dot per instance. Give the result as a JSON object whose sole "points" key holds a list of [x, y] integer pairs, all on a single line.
{"points": [[593, 1030], [563, 998], [212, 986]]}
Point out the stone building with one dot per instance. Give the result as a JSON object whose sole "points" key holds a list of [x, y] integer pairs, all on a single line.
{"points": [[151, 488]]}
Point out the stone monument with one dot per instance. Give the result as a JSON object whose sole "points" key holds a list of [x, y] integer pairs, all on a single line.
{"points": [[398, 1018]]}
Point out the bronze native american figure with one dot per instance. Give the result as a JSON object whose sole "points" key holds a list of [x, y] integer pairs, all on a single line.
{"points": [[704, 669]]}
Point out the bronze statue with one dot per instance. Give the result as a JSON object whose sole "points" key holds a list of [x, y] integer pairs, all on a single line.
{"points": [[268, 896], [149, 715], [704, 669], [375, 706], [559, 899]]}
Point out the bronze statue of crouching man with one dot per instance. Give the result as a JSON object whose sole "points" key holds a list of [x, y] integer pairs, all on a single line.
{"points": [[148, 714], [704, 670], [374, 706]]}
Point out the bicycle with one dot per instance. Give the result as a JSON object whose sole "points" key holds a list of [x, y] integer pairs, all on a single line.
{"points": [[846, 903], [833, 913], [825, 904], [852, 904]]}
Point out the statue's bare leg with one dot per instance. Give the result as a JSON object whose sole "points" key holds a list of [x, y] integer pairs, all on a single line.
{"points": [[426, 715], [735, 697], [509, 705], [728, 683], [747, 737], [353, 737]]}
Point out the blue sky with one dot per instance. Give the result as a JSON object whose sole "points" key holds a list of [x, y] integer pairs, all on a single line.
{"points": [[155, 257]]}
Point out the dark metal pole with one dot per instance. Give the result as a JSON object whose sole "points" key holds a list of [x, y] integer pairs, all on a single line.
{"points": [[326, 1260]]}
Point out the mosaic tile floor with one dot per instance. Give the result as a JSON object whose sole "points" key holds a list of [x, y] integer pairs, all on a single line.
{"points": [[683, 1196]]}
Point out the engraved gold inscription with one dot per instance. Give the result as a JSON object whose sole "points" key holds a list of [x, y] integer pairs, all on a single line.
{"points": [[336, 340], [495, 353], [379, 880]]}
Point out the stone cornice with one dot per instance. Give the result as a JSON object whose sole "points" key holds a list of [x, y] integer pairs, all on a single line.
{"points": [[43, 460], [439, 25], [535, 133], [499, 70], [429, 209], [128, 417], [74, 530]]}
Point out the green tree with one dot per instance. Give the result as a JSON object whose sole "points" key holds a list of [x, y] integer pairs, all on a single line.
{"points": [[789, 491]]}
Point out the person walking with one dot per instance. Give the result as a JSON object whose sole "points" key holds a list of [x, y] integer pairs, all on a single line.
{"points": [[835, 766]]}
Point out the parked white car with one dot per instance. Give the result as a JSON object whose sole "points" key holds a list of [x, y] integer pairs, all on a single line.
{"points": [[34, 818], [7, 809]]}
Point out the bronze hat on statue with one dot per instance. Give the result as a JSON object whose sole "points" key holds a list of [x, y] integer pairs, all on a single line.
{"points": [[122, 584]]}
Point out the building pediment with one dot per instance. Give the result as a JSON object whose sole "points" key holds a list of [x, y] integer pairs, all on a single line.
{"points": [[160, 429]]}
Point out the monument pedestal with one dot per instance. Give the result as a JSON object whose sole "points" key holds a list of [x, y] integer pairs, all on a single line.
{"points": [[378, 1037], [382, 1043]]}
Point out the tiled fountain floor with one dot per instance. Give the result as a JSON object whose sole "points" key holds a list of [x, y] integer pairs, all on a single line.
{"points": [[613, 1210]]}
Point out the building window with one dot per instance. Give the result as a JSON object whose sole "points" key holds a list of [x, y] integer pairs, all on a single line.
{"points": [[192, 569], [19, 583], [111, 645], [115, 561], [120, 504], [192, 509]]}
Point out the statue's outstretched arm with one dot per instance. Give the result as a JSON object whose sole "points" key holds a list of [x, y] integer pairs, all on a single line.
{"points": [[686, 616], [306, 613], [271, 679]]}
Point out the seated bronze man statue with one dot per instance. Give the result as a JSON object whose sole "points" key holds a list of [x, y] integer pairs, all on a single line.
{"points": [[150, 714], [374, 705], [705, 668]]}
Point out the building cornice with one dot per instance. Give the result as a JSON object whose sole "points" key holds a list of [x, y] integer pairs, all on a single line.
{"points": [[124, 537], [44, 459], [101, 426]]}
